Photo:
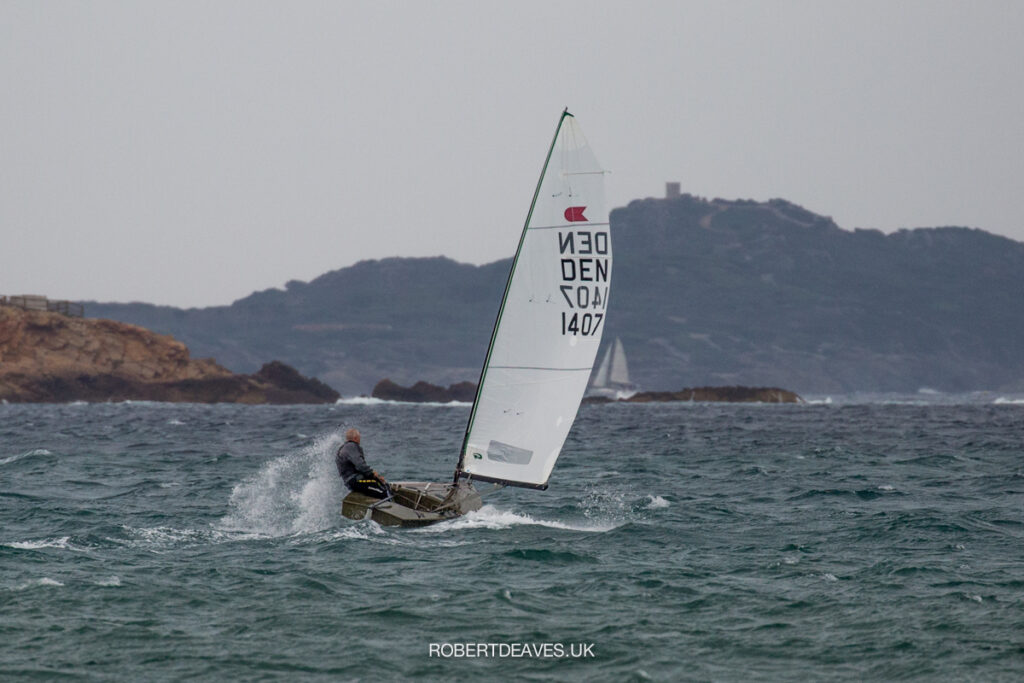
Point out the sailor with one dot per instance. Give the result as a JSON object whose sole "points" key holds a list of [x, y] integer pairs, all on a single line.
{"points": [[355, 472]]}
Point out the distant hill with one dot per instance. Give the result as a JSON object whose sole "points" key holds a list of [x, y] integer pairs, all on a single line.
{"points": [[705, 292], [407, 319]]}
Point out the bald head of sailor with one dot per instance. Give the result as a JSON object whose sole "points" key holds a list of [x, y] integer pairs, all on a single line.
{"points": [[352, 435]]}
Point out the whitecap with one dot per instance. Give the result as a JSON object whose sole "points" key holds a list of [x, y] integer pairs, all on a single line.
{"points": [[109, 581], [829, 577], [29, 454], [886, 487], [657, 503], [370, 401], [60, 543], [1003, 400], [175, 422]]}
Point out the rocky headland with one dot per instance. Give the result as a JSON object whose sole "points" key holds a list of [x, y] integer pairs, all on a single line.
{"points": [[424, 392], [53, 358]]}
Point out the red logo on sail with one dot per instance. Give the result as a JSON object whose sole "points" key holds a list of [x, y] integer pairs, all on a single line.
{"points": [[574, 214]]}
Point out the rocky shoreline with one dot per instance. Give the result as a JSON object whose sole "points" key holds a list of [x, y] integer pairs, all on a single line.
{"points": [[48, 357], [424, 392], [734, 394]]}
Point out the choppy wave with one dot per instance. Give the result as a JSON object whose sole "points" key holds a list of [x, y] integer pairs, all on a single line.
{"points": [[225, 537], [41, 582], [29, 454], [165, 537], [62, 543]]}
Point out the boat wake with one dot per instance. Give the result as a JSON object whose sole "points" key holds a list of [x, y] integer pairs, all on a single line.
{"points": [[490, 517], [294, 494]]}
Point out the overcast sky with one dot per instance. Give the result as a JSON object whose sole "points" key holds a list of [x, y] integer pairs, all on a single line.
{"points": [[190, 153]]}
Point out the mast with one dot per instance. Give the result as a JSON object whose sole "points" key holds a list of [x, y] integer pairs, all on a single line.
{"points": [[504, 298]]}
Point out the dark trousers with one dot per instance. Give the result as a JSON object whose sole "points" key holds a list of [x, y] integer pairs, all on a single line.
{"points": [[370, 486]]}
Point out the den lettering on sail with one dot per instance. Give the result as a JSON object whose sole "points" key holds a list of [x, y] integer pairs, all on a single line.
{"points": [[585, 261]]}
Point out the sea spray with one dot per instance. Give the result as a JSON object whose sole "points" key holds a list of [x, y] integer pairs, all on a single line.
{"points": [[612, 505], [292, 494]]}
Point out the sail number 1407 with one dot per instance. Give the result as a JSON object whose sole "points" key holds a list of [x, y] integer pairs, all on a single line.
{"points": [[581, 323], [583, 297]]}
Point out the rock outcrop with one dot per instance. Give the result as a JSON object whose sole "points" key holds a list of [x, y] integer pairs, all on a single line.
{"points": [[712, 395], [424, 392], [51, 358]]}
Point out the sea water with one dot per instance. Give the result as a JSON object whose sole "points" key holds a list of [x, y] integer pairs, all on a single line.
{"points": [[848, 539]]}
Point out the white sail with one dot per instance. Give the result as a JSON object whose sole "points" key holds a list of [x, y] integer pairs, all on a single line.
{"points": [[550, 323], [601, 378], [619, 369]]}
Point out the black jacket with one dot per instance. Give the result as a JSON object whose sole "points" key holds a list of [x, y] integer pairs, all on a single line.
{"points": [[351, 462]]}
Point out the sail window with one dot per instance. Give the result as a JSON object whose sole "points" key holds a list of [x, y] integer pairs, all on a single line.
{"points": [[503, 452]]}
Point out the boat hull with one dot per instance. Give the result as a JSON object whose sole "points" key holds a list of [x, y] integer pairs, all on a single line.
{"points": [[414, 504]]}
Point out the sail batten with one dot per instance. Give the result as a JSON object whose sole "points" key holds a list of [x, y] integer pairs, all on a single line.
{"points": [[549, 325]]}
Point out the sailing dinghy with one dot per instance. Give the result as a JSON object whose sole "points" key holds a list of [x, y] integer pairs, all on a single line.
{"points": [[542, 350], [612, 377]]}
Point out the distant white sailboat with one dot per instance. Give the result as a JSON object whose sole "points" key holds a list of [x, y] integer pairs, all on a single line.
{"points": [[612, 377]]}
